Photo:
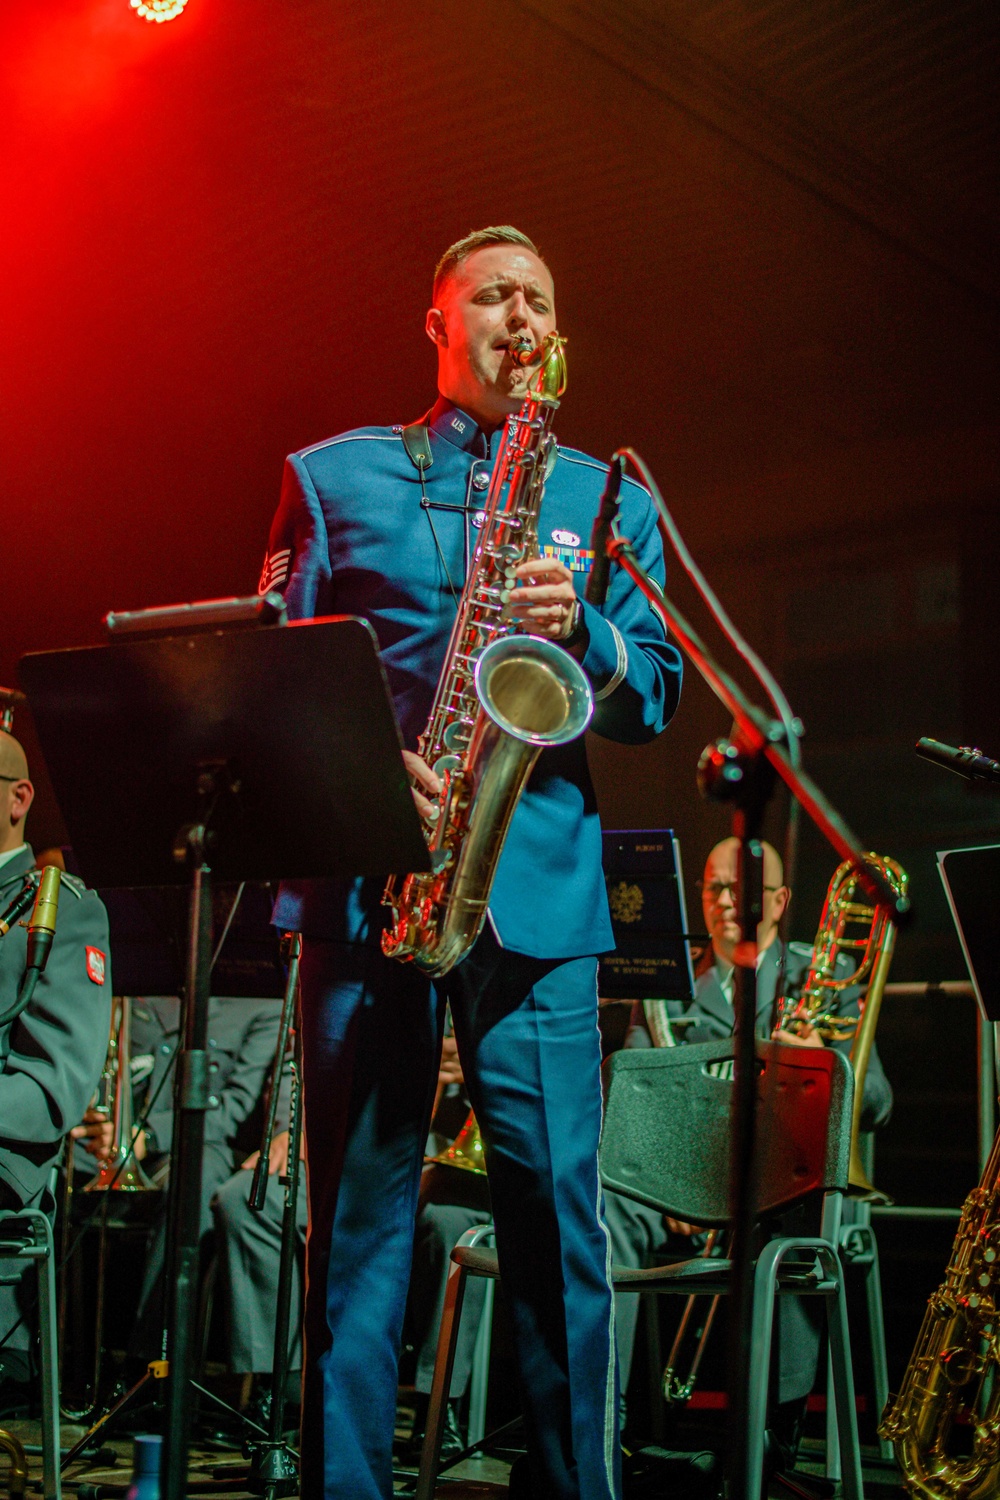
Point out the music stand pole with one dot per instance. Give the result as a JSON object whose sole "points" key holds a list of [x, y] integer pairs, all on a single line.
{"points": [[191, 1095], [273, 1470]]}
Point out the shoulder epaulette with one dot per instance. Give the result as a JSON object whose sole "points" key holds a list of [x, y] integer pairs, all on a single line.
{"points": [[67, 882]]}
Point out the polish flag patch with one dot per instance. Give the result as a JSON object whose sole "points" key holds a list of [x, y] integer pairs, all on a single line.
{"points": [[95, 965]]}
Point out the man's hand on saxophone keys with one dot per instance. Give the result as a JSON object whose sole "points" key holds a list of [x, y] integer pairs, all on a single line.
{"points": [[545, 603], [424, 780]]}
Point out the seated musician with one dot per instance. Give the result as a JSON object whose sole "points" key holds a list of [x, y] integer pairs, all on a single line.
{"points": [[242, 1036], [51, 1055], [641, 1236]]}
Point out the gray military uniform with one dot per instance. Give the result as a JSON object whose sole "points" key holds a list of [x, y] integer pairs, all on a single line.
{"points": [[639, 1235], [242, 1035], [51, 1056]]}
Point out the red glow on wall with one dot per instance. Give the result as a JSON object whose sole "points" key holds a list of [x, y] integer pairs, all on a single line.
{"points": [[66, 58]]}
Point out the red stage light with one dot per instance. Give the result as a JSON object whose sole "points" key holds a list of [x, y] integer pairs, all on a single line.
{"points": [[158, 10]]}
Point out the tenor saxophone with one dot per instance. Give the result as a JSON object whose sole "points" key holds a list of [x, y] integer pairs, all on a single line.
{"points": [[954, 1371], [503, 696]]}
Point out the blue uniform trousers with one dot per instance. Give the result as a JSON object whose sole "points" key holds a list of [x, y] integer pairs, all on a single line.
{"points": [[528, 1039]]}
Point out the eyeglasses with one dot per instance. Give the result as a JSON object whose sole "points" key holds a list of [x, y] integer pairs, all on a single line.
{"points": [[715, 888], [10, 778]]}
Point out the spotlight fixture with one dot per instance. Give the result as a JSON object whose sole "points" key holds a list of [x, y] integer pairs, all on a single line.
{"points": [[158, 10]]}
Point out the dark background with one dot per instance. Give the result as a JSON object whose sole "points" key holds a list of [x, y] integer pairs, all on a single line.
{"points": [[773, 226]]}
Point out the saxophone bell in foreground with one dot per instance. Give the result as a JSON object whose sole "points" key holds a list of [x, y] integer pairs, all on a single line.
{"points": [[503, 697], [954, 1372]]}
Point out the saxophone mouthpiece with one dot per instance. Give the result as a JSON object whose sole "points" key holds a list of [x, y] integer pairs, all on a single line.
{"points": [[522, 351]]}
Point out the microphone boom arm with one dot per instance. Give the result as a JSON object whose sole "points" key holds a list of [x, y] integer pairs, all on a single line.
{"points": [[760, 735]]}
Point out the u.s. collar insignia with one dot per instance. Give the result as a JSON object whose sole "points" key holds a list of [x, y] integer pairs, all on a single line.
{"points": [[566, 538]]}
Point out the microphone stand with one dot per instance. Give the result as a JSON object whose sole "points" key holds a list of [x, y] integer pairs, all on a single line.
{"points": [[741, 769]]}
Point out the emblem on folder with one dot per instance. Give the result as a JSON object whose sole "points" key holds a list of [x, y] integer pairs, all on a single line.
{"points": [[625, 901]]}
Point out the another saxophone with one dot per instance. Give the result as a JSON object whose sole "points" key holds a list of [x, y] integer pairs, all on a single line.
{"points": [[502, 697], [955, 1366]]}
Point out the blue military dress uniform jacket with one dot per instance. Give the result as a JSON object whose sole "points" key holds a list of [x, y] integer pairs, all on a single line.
{"points": [[359, 531]]}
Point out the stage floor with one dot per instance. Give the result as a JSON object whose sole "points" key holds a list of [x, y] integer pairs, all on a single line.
{"points": [[220, 1473]]}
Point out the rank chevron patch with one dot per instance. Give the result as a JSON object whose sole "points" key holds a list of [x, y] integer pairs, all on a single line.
{"points": [[274, 573]]}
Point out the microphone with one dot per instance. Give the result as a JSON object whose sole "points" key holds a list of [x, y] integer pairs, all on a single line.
{"points": [[42, 926], [41, 931], [973, 765], [596, 591]]}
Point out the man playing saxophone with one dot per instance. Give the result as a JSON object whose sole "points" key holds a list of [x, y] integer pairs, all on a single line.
{"points": [[364, 528]]}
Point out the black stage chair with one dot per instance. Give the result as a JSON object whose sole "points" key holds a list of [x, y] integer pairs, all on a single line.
{"points": [[26, 1234], [666, 1143]]}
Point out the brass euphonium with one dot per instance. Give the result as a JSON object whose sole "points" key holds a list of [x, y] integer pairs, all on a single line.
{"points": [[121, 1172], [503, 696], [852, 925], [955, 1366], [466, 1150]]}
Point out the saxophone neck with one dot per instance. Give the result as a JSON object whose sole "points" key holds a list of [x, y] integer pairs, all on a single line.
{"points": [[549, 382]]}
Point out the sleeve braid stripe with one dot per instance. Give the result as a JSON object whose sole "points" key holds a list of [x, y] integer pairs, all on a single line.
{"points": [[620, 669]]}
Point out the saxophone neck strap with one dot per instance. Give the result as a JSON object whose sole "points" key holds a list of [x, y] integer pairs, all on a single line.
{"points": [[417, 442]]}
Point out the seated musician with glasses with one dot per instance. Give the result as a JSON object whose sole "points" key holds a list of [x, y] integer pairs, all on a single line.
{"points": [[641, 1236]]}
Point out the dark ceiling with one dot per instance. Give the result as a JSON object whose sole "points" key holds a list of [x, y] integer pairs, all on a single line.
{"points": [[773, 228]]}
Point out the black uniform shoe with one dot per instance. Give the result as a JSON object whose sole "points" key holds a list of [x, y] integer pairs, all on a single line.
{"points": [[452, 1441], [660, 1474], [520, 1485]]}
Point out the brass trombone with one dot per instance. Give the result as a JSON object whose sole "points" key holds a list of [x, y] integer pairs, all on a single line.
{"points": [[466, 1150], [853, 926], [121, 1172]]}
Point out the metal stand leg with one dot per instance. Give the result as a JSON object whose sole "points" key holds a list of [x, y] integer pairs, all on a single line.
{"points": [[761, 1330], [430, 1456], [40, 1248], [830, 1231], [849, 1452], [657, 1422], [479, 1381], [48, 1323], [273, 1469], [859, 1248]]}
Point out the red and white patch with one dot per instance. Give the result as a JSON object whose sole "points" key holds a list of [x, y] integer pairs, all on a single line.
{"points": [[95, 965], [275, 570]]}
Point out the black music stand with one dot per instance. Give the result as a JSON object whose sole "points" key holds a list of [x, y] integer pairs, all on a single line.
{"points": [[250, 754], [971, 880]]}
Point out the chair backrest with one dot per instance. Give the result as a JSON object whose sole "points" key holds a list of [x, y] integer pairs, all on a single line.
{"points": [[667, 1134]]}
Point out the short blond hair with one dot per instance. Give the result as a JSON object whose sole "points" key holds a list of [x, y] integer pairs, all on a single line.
{"points": [[479, 239]]}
